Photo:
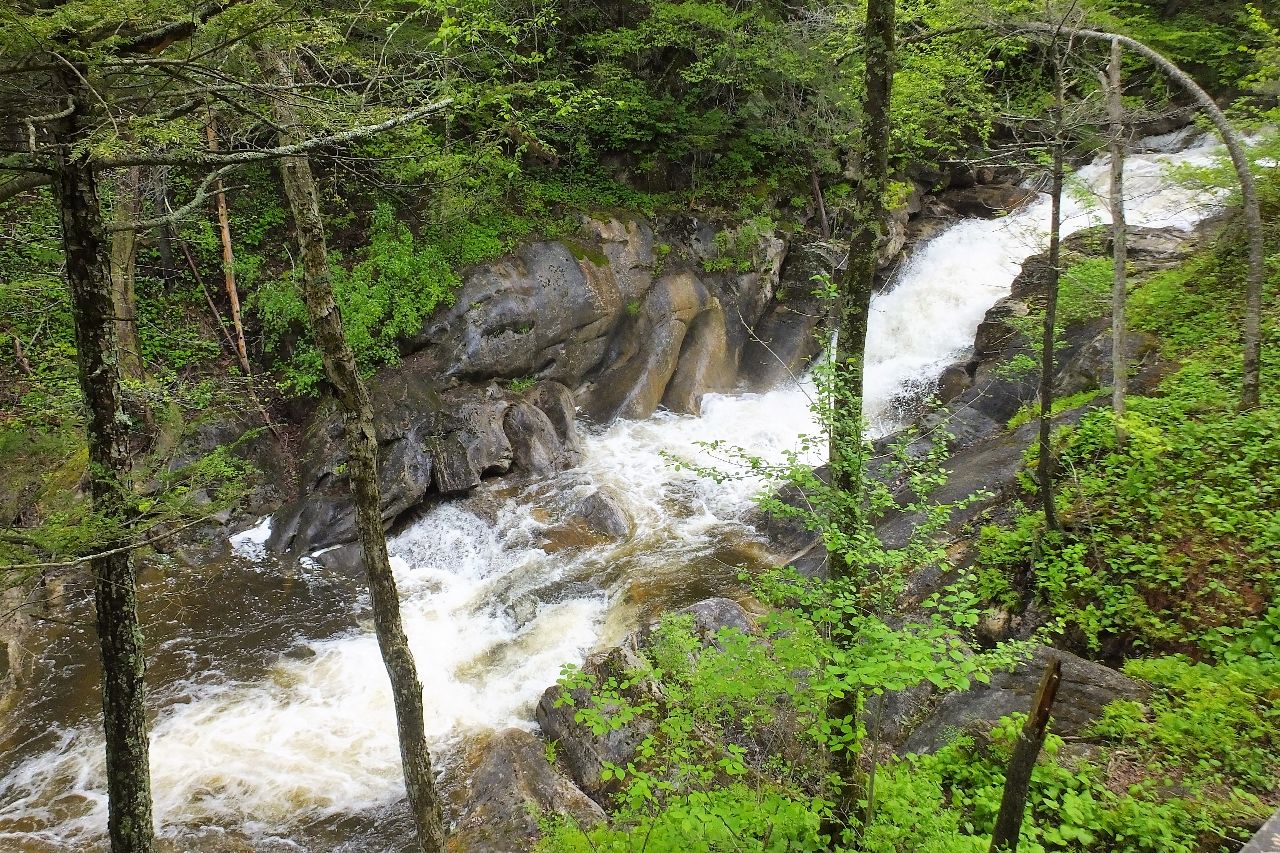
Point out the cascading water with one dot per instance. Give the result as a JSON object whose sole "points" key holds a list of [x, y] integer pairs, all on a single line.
{"points": [[498, 592]]}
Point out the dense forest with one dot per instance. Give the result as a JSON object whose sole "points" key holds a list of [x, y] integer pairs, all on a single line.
{"points": [[686, 425]]}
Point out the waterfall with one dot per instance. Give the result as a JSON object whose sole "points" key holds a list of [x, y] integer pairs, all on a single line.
{"points": [[496, 598]]}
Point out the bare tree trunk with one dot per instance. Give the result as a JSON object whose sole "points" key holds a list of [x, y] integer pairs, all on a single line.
{"points": [[1013, 802], [824, 226], [124, 255], [1044, 465], [854, 304], [362, 442], [228, 257], [1250, 387], [115, 596], [1120, 244]]}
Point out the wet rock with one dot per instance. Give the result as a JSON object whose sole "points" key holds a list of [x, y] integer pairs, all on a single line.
{"points": [[1086, 688], [953, 382], [704, 365], [603, 513], [1091, 367], [506, 784], [785, 338], [583, 752], [556, 402], [429, 441], [536, 448], [987, 200]]}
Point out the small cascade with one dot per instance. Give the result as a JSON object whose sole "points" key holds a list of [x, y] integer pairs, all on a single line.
{"points": [[497, 596]]}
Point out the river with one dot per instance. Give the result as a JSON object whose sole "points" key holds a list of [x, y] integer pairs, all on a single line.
{"points": [[273, 726]]}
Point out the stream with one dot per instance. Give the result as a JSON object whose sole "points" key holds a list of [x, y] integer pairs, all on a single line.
{"points": [[273, 726]]}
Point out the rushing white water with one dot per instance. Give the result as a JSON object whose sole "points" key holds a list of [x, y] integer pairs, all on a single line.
{"points": [[499, 591], [927, 320]]}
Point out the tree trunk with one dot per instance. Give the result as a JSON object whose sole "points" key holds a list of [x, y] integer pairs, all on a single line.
{"points": [[115, 596], [1044, 465], [1250, 387], [1120, 244], [1013, 802], [125, 207], [854, 303], [353, 397], [228, 257]]}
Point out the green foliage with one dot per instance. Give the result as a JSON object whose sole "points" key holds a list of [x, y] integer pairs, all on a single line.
{"points": [[733, 754], [1169, 539], [1211, 725], [384, 297]]}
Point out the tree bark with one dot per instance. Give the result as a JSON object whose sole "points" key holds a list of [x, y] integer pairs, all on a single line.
{"points": [[1013, 802], [124, 255], [1252, 332], [1120, 243], [115, 596], [362, 441], [854, 303], [1044, 464], [228, 258]]}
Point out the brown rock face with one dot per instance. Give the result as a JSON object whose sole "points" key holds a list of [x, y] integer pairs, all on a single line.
{"points": [[503, 785]]}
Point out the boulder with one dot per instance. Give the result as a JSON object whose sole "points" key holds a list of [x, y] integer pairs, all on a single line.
{"points": [[712, 615], [556, 402], [1090, 368], [583, 752], [503, 784], [987, 200], [1086, 688], [603, 513], [953, 382], [535, 447]]}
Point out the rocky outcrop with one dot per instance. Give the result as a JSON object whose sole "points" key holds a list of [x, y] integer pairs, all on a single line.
{"points": [[627, 320], [500, 787], [431, 442], [1085, 690], [986, 200]]}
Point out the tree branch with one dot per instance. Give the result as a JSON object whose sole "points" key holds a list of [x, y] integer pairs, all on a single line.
{"points": [[254, 156], [158, 39], [173, 217], [67, 564], [22, 183]]}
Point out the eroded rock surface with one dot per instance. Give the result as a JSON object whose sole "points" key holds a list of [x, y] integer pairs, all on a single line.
{"points": [[499, 789]]}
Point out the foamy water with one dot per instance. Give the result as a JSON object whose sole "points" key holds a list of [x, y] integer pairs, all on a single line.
{"points": [[493, 610]]}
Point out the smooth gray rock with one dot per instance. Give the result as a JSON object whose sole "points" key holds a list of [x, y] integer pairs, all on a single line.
{"points": [[535, 447], [1086, 688], [603, 513]]}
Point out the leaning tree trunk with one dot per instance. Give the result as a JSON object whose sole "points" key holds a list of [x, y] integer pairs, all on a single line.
{"points": [[362, 468], [1120, 244], [854, 302], [228, 256], [114, 593], [1250, 396], [1044, 464]]}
